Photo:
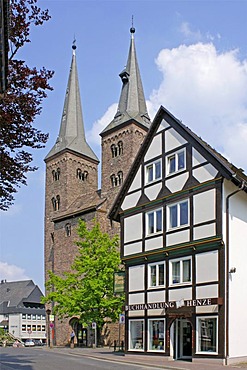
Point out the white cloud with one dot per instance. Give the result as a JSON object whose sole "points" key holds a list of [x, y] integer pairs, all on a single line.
{"points": [[204, 88], [207, 90], [99, 125], [12, 272], [186, 30]]}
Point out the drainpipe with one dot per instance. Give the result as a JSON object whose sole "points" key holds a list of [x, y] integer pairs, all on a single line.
{"points": [[243, 184]]}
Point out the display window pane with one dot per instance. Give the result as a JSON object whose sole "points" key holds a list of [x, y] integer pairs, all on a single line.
{"points": [[156, 335], [136, 333], [207, 333]]}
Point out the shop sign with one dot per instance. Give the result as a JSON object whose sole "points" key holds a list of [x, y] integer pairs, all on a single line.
{"points": [[174, 304]]}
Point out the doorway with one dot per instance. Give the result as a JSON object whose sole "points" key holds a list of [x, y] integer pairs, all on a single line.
{"points": [[181, 335]]}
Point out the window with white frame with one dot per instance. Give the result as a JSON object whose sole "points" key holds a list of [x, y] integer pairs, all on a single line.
{"points": [[154, 221], [207, 335], [178, 214], [180, 271], [156, 274], [136, 332], [153, 171], [156, 332], [175, 162]]}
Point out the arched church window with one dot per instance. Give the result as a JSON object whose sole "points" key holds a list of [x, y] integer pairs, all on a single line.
{"points": [[78, 173], [53, 175], [113, 180], [114, 150], [56, 174], [54, 203], [120, 147], [68, 229], [58, 202], [120, 177]]}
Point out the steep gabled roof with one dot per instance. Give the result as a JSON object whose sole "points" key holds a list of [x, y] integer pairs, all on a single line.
{"points": [[132, 103], [19, 293], [72, 133], [228, 170]]}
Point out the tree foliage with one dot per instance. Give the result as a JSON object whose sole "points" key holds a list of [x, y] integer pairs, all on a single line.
{"points": [[21, 103], [87, 292]]}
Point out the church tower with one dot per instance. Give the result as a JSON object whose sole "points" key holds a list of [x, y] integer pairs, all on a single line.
{"points": [[71, 181], [122, 138]]}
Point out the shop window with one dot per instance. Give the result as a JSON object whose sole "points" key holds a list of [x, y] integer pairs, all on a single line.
{"points": [[68, 229], [38, 327], [43, 317], [153, 171], [38, 317], [180, 271], [43, 328], [23, 328], [178, 214], [28, 327], [175, 162], [207, 334], [156, 331], [136, 331], [24, 316], [156, 274], [29, 316], [33, 327], [33, 317], [154, 221]]}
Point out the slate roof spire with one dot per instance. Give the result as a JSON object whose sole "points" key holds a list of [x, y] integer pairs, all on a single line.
{"points": [[72, 134], [132, 103]]}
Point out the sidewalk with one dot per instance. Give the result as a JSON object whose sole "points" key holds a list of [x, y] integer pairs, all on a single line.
{"points": [[152, 361]]}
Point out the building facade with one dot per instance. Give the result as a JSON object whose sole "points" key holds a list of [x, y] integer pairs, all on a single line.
{"points": [[71, 190], [21, 313], [183, 216]]}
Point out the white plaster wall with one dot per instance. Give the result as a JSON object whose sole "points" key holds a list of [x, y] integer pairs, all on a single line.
{"points": [[136, 184], [207, 291], [136, 278], [131, 200], [133, 248], [181, 293], [178, 237], [207, 267], [136, 298], [15, 324], [237, 259], [204, 231], [205, 173], [155, 148], [177, 183], [152, 191], [154, 297], [204, 206], [173, 140], [163, 125], [197, 158], [154, 243], [133, 228]]}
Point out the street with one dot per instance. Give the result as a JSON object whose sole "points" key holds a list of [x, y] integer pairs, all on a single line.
{"points": [[43, 359]]}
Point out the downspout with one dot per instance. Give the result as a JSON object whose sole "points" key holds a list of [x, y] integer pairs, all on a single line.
{"points": [[243, 184]]}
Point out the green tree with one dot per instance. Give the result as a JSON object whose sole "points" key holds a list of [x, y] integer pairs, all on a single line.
{"points": [[87, 291], [21, 103]]}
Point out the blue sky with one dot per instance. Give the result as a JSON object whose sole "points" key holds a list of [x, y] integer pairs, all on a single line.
{"points": [[193, 60]]}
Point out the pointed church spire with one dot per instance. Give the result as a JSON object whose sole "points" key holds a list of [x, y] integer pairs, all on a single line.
{"points": [[132, 103], [72, 135]]}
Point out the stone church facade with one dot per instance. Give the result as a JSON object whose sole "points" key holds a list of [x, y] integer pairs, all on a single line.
{"points": [[71, 190]]}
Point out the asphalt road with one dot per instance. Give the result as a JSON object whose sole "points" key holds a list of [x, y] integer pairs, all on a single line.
{"points": [[39, 359]]}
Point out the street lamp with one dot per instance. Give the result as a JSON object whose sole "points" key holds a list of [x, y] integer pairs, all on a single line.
{"points": [[48, 312]]}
